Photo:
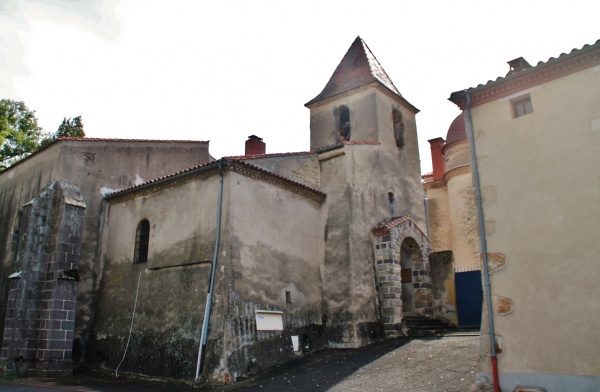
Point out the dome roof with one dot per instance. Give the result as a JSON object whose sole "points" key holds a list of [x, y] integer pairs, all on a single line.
{"points": [[457, 130]]}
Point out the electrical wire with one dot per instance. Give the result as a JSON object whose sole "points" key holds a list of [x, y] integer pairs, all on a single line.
{"points": [[131, 326]]}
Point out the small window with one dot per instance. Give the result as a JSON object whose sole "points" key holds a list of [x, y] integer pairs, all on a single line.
{"points": [[142, 239], [288, 297], [522, 106], [398, 128], [344, 123]]}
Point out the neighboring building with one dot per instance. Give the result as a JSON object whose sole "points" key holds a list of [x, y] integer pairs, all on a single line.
{"points": [[454, 231], [537, 142], [307, 250]]}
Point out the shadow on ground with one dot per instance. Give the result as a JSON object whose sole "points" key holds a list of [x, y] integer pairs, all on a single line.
{"points": [[316, 372]]}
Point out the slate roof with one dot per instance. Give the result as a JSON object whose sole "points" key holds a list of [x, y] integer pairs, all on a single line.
{"points": [[517, 80], [358, 68]]}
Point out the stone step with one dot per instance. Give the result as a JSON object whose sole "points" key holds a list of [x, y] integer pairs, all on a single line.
{"points": [[419, 326]]}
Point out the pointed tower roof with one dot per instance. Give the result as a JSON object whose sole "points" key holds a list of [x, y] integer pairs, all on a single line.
{"points": [[358, 68]]}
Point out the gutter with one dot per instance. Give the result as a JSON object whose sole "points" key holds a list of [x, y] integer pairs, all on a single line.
{"points": [[207, 309], [426, 202], [486, 273]]}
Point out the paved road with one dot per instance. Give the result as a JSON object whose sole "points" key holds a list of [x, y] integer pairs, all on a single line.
{"points": [[421, 365]]}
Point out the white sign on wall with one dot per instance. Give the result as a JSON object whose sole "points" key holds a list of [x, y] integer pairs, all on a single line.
{"points": [[269, 320]]}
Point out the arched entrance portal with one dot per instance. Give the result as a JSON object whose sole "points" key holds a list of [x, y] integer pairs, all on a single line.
{"points": [[401, 272], [410, 254]]}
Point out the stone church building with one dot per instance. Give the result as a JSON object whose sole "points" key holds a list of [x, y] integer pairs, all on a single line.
{"points": [[152, 257]]}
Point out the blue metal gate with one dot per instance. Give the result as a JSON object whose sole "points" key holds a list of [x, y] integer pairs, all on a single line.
{"points": [[469, 297]]}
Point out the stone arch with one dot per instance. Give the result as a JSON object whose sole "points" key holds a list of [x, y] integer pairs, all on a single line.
{"points": [[400, 244]]}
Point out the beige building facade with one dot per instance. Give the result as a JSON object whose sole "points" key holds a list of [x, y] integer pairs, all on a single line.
{"points": [[452, 220], [537, 145]]}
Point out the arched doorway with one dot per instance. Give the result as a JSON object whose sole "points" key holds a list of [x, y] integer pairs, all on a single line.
{"points": [[401, 272], [410, 253]]}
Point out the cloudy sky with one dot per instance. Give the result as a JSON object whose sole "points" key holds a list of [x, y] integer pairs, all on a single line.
{"points": [[223, 70]]}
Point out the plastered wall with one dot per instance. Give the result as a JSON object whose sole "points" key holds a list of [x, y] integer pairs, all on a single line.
{"points": [[540, 180]]}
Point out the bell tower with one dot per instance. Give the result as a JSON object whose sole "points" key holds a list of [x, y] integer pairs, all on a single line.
{"points": [[360, 103], [365, 135]]}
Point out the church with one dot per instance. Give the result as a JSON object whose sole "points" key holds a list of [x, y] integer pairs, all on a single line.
{"points": [[152, 257]]}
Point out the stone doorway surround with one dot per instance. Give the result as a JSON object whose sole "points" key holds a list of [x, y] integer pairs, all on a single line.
{"points": [[388, 237]]}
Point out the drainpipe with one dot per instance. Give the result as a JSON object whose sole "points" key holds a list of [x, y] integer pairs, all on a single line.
{"points": [[486, 273], [207, 309], [427, 215]]}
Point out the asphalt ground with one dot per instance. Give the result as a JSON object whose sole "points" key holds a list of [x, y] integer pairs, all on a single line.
{"points": [[413, 365]]}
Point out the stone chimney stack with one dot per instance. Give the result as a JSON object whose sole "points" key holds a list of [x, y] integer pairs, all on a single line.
{"points": [[437, 159], [255, 146]]}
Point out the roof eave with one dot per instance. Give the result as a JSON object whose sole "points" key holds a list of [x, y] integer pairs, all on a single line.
{"points": [[322, 101], [565, 64]]}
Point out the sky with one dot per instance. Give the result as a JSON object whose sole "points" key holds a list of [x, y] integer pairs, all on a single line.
{"points": [[224, 70]]}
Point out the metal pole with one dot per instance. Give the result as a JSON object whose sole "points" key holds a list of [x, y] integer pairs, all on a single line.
{"points": [[207, 309], [486, 273]]}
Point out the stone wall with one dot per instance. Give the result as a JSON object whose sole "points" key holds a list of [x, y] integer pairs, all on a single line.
{"points": [[40, 318], [443, 292], [393, 242], [97, 166]]}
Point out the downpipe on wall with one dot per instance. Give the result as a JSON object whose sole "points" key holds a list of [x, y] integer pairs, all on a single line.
{"points": [[426, 202], [207, 309], [486, 273]]}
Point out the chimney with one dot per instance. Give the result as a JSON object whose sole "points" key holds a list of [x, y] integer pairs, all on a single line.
{"points": [[518, 64], [437, 159], [255, 146]]}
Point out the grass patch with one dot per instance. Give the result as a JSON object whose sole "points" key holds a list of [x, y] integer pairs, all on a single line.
{"points": [[9, 377]]}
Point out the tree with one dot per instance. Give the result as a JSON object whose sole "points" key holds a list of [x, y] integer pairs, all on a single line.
{"points": [[19, 132], [70, 128]]}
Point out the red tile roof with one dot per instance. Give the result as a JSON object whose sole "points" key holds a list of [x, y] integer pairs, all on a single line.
{"points": [[358, 68], [260, 156], [159, 179], [360, 142], [330, 147], [384, 227], [223, 161], [566, 63], [97, 139]]}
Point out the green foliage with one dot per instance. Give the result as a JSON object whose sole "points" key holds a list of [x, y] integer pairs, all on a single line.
{"points": [[8, 376], [70, 128], [19, 132]]}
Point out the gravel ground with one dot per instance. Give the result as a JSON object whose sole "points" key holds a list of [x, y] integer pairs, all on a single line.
{"points": [[411, 365], [404, 365], [446, 364]]}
